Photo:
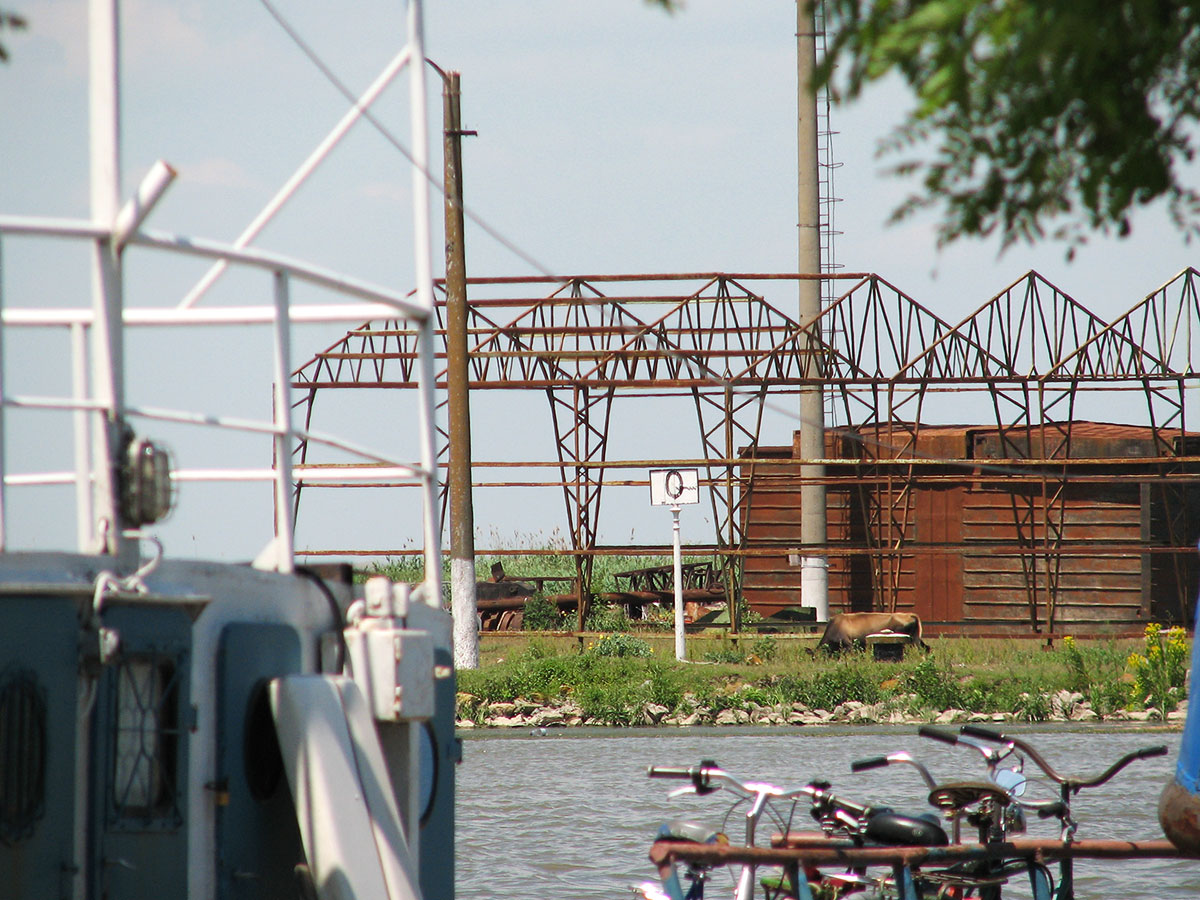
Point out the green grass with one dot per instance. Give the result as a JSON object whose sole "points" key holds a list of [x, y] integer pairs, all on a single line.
{"points": [[976, 675], [985, 676]]}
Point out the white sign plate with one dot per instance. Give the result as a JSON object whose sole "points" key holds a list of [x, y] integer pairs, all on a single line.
{"points": [[674, 487]]}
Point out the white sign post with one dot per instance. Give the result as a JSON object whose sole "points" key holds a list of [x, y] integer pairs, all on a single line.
{"points": [[675, 488]]}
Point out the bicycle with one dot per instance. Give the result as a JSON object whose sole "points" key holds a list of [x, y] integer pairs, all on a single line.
{"points": [[997, 808], [1069, 786], [843, 823], [926, 860]]}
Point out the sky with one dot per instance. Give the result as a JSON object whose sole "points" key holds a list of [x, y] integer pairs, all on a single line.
{"points": [[612, 138]]}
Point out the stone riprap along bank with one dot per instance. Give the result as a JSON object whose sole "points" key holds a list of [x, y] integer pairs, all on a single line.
{"points": [[1062, 706]]}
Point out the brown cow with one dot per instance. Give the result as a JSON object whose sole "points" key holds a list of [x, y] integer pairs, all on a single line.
{"points": [[848, 630]]}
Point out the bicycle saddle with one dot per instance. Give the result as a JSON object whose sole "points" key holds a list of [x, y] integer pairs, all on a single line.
{"points": [[898, 830], [957, 795], [683, 830]]}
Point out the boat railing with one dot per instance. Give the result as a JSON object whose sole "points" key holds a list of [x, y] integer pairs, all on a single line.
{"points": [[363, 302]]}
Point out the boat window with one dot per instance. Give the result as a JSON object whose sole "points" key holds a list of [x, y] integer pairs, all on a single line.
{"points": [[22, 754], [146, 739]]}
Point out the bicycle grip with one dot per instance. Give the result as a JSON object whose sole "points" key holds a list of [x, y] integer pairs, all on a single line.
{"points": [[946, 737], [980, 731], [1052, 811], [668, 772], [875, 762], [1147, 752]]}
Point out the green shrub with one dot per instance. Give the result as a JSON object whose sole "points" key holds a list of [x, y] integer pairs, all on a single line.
{"points": [[761, 694], [664, 687], [607, 618], [1096, 672], [725, 655], [606, 704], [765, 648], [620, 644], [1159, 674], [935, 686], [855, 677], [541, 615], [1032, 707]]}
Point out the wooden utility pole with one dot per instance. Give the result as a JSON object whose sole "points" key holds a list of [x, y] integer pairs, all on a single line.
{"points": [[458, 477]]}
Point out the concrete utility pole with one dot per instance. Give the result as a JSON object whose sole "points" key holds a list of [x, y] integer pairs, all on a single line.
{"points": [[462, 516], [814, 573]]}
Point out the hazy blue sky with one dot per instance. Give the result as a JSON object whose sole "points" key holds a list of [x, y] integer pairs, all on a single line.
{"points": [[612, 138]]}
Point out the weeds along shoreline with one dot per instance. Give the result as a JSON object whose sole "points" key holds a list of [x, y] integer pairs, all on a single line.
{"points": [[623, 679], [625, 674]]}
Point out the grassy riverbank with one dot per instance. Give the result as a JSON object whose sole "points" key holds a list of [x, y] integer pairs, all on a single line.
{"points": [[622, 678], [626, 673]]}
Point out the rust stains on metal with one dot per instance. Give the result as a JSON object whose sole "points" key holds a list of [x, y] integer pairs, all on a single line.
{"points": [[727, 348]]}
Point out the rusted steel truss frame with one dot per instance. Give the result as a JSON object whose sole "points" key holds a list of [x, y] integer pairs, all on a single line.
{"points": [[1031, 347], [575, 337], [579, 438]]}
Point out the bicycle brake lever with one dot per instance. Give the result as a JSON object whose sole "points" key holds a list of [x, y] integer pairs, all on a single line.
{"points": [[686, 789]]}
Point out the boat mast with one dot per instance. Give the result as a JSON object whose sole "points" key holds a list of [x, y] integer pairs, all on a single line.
{"points": [[423, 271], [107, 344]]}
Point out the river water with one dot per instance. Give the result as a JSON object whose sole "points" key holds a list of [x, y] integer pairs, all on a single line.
{"points": [[571, 813]]}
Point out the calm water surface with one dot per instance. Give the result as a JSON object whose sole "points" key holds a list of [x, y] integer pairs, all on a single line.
{"points": [[571, 814]]}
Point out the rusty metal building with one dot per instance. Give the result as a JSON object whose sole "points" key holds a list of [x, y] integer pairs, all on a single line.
{"points": [[978, 540]]}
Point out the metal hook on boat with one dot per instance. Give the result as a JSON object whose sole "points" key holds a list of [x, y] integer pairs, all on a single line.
{"points": [[109, 583]]}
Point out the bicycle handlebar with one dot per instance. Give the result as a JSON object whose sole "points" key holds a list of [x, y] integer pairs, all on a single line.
{"points": [[1144, 753], [946, 737], [874, 762], [708, 777], [1068, 782], [700, 776], [981, 731], [672, 772]]}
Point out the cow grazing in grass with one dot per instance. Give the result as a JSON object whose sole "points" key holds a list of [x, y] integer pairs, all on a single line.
{"points": [[848, 630]]}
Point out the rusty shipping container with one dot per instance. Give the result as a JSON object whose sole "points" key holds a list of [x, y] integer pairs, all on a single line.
{"points": [[1083, 529]]}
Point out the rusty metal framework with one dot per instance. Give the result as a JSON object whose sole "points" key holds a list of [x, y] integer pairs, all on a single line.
{"points": [[888, 365]]}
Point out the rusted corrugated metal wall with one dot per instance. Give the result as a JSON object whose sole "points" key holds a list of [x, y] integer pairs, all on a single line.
{"points": [[1093, 545]]}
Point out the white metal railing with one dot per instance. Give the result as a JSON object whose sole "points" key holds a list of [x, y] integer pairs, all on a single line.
{"points": [[280, 315], [112, 228]]}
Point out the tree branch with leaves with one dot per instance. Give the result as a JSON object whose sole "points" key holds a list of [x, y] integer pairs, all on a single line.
{"points": [[9, 22], [1033, 118]]}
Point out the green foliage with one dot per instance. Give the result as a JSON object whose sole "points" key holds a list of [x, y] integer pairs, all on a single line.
{"points": [[1076, 665], [663, 685], [1096, 672], [607, 618], [408, 567], [1160, 672], [935, 686], [727, 655], [1033, 707], [765, 648], [11, 22], [1035, 111], [854, 676], [541, 615], [619, 644], [615, 679]]}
